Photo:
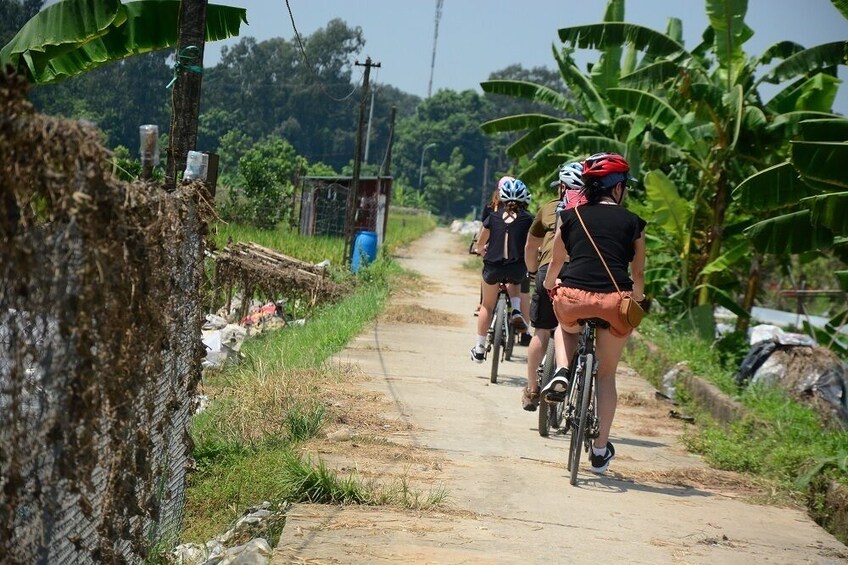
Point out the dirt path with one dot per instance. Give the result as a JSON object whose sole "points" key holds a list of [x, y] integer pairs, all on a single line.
{"points": [[509, 497]]}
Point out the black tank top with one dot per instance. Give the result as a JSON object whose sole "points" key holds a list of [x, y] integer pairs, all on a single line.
{"points": [[614, 230], [503, 249]]}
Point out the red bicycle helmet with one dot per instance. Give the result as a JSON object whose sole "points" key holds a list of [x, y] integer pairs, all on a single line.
{"points": [[603, 164]]}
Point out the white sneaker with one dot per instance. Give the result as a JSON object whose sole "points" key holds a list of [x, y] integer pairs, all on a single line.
{"points": [[478, 354]]}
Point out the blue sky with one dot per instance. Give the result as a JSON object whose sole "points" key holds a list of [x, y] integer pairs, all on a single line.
{"points": [[477, 37]]}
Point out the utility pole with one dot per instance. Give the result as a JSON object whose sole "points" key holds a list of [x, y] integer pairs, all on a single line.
{"points": [[368, 132], [483, 190], [185, 100], [386, 169], [352, 199]]}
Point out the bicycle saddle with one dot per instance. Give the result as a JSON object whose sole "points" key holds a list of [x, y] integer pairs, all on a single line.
{"points": [[599, 322]]}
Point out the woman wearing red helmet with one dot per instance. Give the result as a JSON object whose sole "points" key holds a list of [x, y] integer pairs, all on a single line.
{"points": [[587, 289]]}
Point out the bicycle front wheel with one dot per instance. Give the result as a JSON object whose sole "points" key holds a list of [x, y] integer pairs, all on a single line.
{"points": [[579, 435], [509, 331], [497, 339]]}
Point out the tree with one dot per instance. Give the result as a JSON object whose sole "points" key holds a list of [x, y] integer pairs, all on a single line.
{"points": [[444, 190]]}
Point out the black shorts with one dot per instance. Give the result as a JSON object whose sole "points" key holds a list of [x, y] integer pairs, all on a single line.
{"points": [[494, 273], [525, 285], [541, 310]]}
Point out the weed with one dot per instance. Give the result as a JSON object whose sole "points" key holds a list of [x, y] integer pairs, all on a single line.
{"points": [[306, 481]]}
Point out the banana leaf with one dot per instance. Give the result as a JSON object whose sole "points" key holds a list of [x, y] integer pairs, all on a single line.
{"points": [[727, 19], [518, 122], [671, 212], [651, 76], [780, 50], [659, 112], [830, 210], [594, 105], [842, 6], [606, 72], [723, 298], [527, 91], [771, 189], [807, 61], [822, 161], [824, 129], [69, 38], [728, 259], [605, 35], [536, 137], [789, 233]]}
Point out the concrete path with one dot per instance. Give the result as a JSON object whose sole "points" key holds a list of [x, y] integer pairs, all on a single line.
{"points": [[510, 500]]}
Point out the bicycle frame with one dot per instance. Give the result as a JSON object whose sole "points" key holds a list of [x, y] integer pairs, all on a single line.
{"points": [[582, 400]]}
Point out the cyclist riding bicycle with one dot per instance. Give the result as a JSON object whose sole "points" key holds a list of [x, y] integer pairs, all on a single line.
{"points": [[505, 232], [537, 256], [586, 291]]}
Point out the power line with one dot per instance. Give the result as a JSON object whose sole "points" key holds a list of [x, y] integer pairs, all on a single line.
{"points": [[309, 65]]}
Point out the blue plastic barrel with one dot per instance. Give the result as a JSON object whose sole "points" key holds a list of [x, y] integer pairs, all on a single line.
{"points": [[364, 249]]}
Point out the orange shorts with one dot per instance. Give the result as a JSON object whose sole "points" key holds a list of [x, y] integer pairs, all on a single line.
{"points": [[572, 304]]}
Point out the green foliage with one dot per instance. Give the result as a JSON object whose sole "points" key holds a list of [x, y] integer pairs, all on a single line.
{"points": [[782, 440], [443, 184], [70, 38], [264, 197]]}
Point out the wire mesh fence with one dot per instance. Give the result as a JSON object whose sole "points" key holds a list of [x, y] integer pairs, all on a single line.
{"points": [[100, 347]]}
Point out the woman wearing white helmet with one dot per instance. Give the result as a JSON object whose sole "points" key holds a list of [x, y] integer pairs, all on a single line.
{"points": [[503, 237]]}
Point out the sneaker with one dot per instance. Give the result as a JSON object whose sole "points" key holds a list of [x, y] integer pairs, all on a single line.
{"points": [[525, 339], [518, 321], [478, 354], [529, 400], [600, 463], [557, 387]]}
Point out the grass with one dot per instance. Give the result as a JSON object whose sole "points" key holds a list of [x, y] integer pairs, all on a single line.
{"points": [[401, 228], [782, 439], [246, 443]]}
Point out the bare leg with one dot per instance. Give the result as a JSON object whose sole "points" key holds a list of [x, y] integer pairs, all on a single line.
{"points": [[566, 344], [487, 308], [535, 351], [608, 350]]}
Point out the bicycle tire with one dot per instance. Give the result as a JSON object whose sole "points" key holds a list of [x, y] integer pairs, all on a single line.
{"points": [[579, 437], [497, 339], [546, 372], [510, 340]]}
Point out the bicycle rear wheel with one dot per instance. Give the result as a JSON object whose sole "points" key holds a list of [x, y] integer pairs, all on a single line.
{"points": [[546, 372], [510, 340], [498, 338], [579, 435]]}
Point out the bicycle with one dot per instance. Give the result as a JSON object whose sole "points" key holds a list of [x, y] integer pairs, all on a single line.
{"points": [[581, 414], [501, 334], [550, 415]]}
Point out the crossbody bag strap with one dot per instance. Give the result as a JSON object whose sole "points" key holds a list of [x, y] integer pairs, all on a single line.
{"points": [[598, 251]]}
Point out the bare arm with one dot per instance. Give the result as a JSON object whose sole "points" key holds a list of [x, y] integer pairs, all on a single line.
{"points": [[531, 252], [482, 240], [557, 260], [637, 268]]}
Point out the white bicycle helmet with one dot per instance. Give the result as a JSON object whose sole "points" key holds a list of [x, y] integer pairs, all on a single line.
{"points": [[571, 175], [513, 190]]}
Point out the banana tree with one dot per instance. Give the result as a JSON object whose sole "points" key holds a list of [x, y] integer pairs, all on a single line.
{"points": [[74, 36], [804, 201], [698, 116]]}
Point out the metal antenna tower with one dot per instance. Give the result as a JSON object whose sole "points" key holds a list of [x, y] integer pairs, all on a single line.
{"points": [[435, 39]]}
